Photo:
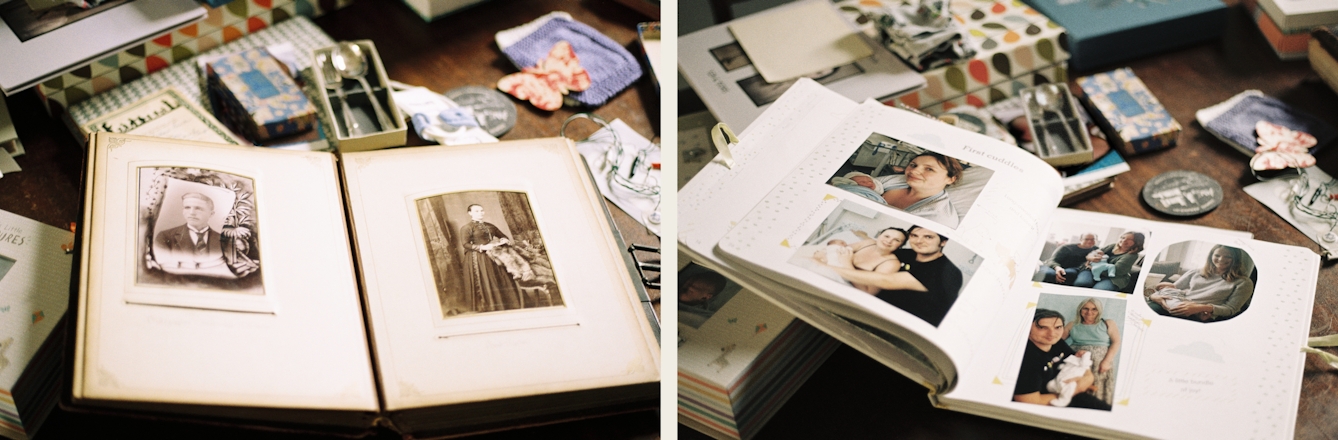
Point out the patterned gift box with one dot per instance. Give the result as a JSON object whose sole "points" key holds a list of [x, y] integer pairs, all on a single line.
{"points": [[222, 25], [1134, 121], [257, 97], [1016, 47]]}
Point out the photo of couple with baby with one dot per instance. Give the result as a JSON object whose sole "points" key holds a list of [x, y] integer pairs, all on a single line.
{"points": [[1072, 351], [910, 266]]}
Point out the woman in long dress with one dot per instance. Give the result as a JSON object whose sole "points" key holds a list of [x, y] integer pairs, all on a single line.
{"points": [[1101, 337], [487, 282]]}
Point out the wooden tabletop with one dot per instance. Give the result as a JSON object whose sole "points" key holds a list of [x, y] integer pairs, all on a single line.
{"points": [[453, 51], [852, 396]]}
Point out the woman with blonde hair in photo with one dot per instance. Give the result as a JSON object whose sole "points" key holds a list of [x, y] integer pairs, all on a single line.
{"points": [[1101, 337], [1217, 291]]}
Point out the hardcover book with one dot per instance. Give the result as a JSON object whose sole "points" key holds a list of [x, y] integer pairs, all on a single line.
{"points": [[415, 289], [982, 290]]}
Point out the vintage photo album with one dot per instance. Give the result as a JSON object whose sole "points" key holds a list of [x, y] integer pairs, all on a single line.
{"points": [[432, 290], [942, 254]]}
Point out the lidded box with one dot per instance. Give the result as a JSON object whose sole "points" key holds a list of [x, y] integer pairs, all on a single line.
{"points": [[257, 97], [1134, 121]]}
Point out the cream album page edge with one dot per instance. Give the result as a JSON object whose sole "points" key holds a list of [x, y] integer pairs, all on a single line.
{"points": [[435, 344], [309, 351]]}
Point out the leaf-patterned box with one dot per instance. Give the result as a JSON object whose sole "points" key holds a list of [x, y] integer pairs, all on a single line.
{"points": [[1134, 121], [258, 97], [1016, 47]]}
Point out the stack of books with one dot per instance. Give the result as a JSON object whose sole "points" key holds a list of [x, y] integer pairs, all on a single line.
{"points": [[1286, 24], [740, 357], [34, 294]]}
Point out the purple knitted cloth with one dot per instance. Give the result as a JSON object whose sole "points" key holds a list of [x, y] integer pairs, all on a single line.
{"points": [[612, 68]]}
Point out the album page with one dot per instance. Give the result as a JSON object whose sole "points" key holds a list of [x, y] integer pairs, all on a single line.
{"points": [[491, 272], [930, 271], [721, 194], [1206, 324], [217, 275]]}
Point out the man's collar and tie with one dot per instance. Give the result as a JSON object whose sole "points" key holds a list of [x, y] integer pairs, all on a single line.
{"points": [[200, 238]]}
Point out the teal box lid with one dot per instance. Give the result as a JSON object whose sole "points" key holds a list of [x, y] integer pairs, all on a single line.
{"points": [[1103, 32]]}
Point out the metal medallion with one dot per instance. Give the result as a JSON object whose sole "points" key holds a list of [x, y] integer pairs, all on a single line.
{"points": [[493, 109], [1182, 193]]}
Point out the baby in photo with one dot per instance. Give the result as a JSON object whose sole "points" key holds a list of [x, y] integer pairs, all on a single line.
{"points": [[1173, 295], [1066, 382], [1100, 265], [829, 253]]}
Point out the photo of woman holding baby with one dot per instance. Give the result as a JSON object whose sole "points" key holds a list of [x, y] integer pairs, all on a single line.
{"points": [[1097, 273], [1216, 291], [870, 254], [913, 179]]}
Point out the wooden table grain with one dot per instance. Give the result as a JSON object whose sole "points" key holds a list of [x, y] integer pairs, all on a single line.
{"points": [[453, 51], [852, 396]]}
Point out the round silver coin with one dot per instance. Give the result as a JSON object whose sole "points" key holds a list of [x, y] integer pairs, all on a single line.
{"points": [[493, 109], [1182, 193]]}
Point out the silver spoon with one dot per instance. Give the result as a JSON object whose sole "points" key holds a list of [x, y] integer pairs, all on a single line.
{"points": [[1049, 97], [335, 82], [349, 60]]}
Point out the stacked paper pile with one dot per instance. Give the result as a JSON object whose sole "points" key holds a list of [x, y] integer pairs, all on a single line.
{"points": [[742, 363], [34, 293]]}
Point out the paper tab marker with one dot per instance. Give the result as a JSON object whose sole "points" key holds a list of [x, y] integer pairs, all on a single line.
{"points": [[724, 139], [828, 197], [996, 381], [1124, 402], [1031, 305], [785, 243]]}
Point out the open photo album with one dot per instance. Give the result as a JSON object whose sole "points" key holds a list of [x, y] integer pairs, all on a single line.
{"points": [[942, 254], [431, 291]]}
